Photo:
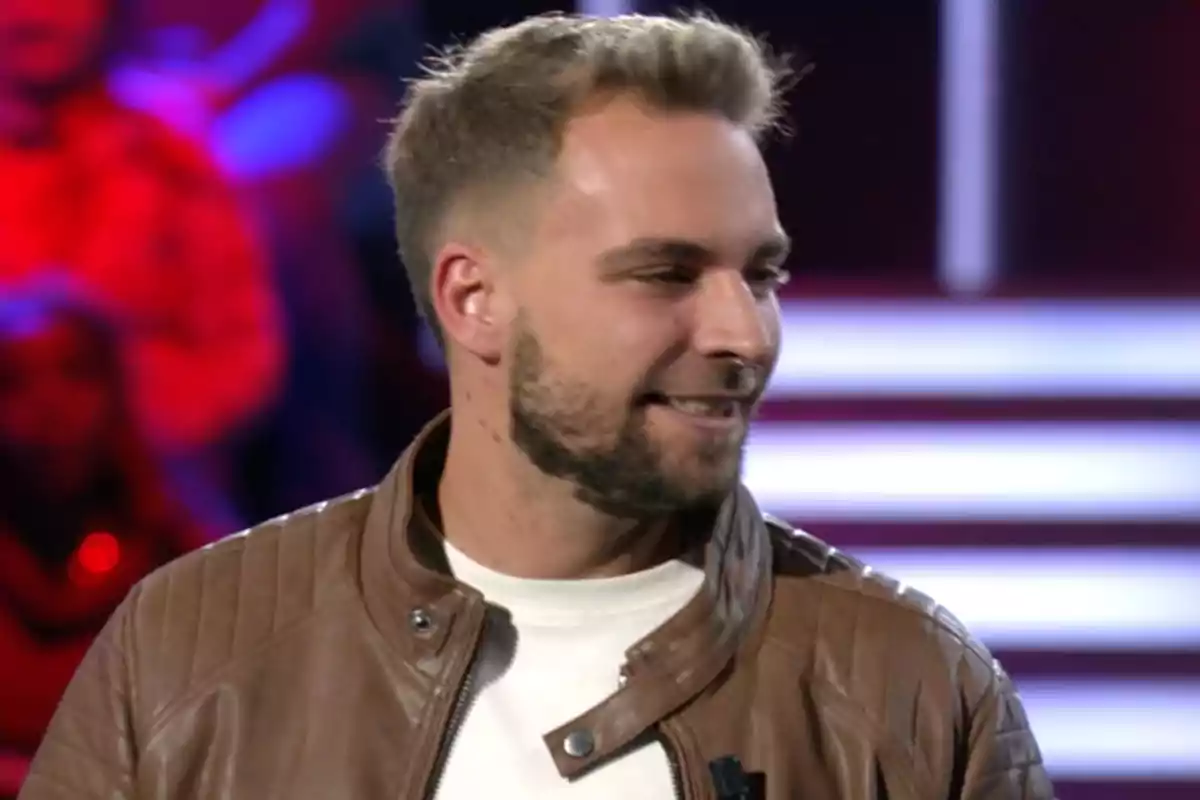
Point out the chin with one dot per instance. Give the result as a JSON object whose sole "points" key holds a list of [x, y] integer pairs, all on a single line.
{"points": [[706, 483], [712, 462]]}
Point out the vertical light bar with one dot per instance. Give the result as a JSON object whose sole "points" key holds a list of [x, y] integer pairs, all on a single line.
{"points": [[968, 193], [605, 8]]}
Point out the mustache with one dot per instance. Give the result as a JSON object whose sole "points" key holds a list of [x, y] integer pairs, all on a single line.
{"points": [[737, 380]]}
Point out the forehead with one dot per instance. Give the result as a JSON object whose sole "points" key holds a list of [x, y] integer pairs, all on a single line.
{"points": [[625, 172]]}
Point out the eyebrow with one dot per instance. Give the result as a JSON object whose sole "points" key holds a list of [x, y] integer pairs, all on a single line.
{"points": [[686, 251]]}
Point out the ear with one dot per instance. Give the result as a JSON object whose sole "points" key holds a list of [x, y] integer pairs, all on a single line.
{"points": [[465, 293]]}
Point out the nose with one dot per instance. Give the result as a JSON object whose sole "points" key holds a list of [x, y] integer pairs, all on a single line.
{"points": [[731, 321]]}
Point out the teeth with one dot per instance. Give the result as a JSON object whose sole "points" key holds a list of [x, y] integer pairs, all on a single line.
{"points": [[704, 408]]}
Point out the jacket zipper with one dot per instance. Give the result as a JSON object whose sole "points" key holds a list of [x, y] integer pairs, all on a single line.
{"points": [[462, 704], [667, 746], [676, 768]]}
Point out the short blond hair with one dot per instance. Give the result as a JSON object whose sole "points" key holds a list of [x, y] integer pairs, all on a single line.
{"points": [[489, 114]]}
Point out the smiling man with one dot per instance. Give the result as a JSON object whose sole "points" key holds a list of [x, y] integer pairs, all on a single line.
{"points": [[561, 590]]}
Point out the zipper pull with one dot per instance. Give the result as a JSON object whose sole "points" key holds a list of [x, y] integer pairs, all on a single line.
{"points": [[730, 780]]}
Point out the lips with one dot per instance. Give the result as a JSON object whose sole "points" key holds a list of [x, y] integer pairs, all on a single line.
{"points": [[706, 407]]}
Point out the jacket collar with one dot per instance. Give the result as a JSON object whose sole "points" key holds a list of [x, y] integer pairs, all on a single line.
{"points": [[402, 568]]}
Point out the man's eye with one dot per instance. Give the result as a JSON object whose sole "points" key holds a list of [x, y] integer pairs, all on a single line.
{"points": [[674, 276], [767, 279]]}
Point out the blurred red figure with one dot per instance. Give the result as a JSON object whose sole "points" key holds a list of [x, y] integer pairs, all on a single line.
{"points": [[141, 216], [84, 512]]}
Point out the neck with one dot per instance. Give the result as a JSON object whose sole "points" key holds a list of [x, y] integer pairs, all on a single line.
{"points": [[502, 512]]}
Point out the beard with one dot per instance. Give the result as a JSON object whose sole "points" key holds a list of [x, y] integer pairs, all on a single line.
{"points": [[569, 431]]}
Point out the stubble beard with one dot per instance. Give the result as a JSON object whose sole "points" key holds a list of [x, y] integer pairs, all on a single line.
{"points": [[563, 430]]}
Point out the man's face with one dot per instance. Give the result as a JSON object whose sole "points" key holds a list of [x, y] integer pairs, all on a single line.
{"points": [[45, 44], [647, 321], [57, 405]]}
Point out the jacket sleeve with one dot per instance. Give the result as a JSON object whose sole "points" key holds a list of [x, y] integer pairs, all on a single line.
{"points": [[89, 750], [1003, 760]]}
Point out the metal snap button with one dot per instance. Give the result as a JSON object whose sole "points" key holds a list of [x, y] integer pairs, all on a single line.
{"points": [[579, 744], [420, 620]]}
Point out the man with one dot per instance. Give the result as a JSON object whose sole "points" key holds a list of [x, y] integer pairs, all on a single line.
{"points": [[561, 590], [84, 512], [141, 217]]}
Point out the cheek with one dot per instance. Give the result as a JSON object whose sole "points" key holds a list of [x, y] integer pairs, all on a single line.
{"points": [[772, 322], [776, 331], [626, 350], [608, 335], [590, 371]]}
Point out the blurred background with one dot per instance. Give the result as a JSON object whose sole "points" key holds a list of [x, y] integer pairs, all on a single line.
{"points": [[990, 384]]}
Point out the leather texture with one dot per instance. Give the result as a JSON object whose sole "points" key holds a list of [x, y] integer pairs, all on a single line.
{"points": [[320, 655]]}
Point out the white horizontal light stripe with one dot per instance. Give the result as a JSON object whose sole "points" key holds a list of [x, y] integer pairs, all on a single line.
{"points": [[1009, 471], [1064, 599], [1097, 730], [1011, 348]]}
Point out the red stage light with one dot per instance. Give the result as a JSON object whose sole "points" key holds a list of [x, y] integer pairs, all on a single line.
{"points": [[98, 553]]}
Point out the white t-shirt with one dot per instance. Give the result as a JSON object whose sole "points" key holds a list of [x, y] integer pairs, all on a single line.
{"points": [[553, 650]]}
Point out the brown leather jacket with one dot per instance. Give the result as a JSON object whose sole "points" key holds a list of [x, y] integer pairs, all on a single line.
{"points": [[321, 654]]}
